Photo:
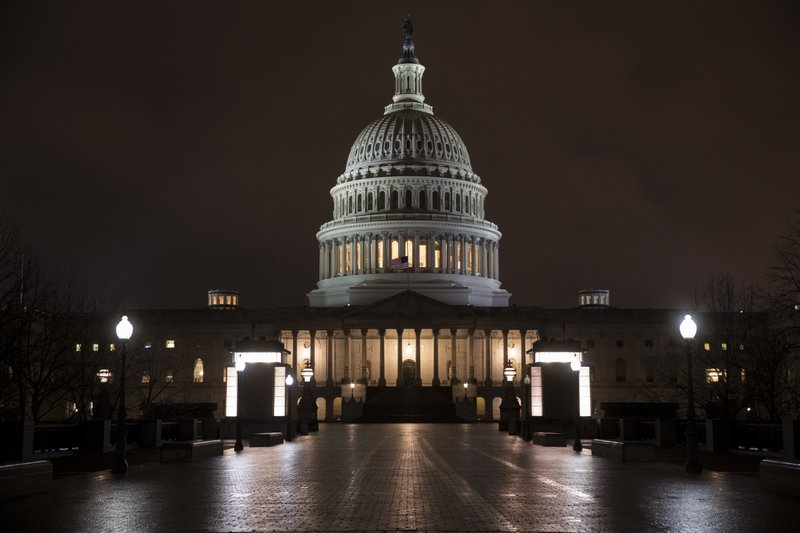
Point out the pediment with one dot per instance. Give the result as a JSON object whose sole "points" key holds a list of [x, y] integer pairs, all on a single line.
{"points": [[406, 308]]}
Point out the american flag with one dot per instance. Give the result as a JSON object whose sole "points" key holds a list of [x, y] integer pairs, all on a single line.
{"points": [[399, 263]]}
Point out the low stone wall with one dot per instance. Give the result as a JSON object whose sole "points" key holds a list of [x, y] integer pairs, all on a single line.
{"points": [[625, 451], [21, 479], [260, 440], [781, 476], [549, 438], [190, 451]]}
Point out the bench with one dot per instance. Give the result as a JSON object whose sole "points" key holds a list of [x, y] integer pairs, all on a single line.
{"points": [[21, 479], [258, 440], [549, 438], [781, 476], [190, 451], [625, 451]]}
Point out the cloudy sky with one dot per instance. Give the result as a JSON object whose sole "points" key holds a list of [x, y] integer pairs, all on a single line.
{"points": [[157, 150]]}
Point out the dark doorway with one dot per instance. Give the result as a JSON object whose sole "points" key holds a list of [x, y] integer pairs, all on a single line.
{"points": [[409, 372]]}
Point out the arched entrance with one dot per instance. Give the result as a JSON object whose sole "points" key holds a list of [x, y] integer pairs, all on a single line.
{"points": [[409, 372]]}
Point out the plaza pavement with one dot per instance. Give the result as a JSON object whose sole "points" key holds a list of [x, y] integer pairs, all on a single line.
{"points": [[404, 477]]}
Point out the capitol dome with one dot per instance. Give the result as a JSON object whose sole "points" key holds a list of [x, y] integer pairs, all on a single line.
{"points": [[408, 211]]}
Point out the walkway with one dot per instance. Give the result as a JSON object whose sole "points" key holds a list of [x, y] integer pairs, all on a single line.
{"points": [[404, 477]]}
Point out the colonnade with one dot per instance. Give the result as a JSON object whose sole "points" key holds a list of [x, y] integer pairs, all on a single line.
{"points": [[346, 354], [427, 252]]}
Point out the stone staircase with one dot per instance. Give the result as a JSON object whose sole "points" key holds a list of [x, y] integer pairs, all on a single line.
{"points": [[409, 404]]}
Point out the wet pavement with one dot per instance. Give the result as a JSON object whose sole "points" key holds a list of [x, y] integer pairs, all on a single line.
{"points": [[405, 477]]}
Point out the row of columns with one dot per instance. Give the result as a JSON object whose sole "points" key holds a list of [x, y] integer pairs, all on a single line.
{"points": [[371, 254], [357, 370]]}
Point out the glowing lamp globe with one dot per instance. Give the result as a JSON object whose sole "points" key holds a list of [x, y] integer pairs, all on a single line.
{"points": [[124, 329], [688, 328], [289, 380], [307, 372], [575, 364], [509, 373]]}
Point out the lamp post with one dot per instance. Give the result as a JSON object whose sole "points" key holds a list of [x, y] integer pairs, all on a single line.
{"points": [[466, 386], [688, 330], [526, 402], [289, 383], [509, 407], [124, 332], [575, 365], [240, 366], [306, 401], [352, 389]]}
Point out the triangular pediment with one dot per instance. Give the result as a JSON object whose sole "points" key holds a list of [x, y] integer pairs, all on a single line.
{"points": [[407, 308]]}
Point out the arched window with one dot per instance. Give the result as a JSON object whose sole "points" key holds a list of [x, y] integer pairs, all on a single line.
{"points": [[197, 372], [395, 199], [381, 200], [409, 199], [359, 204], [466, 204], [620, 369], [350, 205], [458, 202], [369, 202], [447, 201], [436, 200], [423, 200]]}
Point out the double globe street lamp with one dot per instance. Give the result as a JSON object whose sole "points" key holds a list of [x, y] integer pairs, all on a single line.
{"points": [[124, 333], [688, 330]]}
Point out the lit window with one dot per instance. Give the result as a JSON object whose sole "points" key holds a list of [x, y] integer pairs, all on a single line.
{"points": [[741, 347], [707, 346], [104, 375], [743, 376], [111, 347], [145, 377], [228, 299], [170, 343], [170, 376], [724, 346], [95, 347], [78, 347], [197, 373], [235, 300], [148, 345], [714, 375]]}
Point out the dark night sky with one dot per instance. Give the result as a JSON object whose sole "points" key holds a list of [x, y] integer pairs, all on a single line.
{"points": [[157, 151]]}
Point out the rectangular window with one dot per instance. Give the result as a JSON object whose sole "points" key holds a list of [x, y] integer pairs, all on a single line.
{"points": [[458, 256], [437, 255], [347, 257], [410, 253], [170, 343], [707, 346], [724, 346], [423, 254], [713, 375], [379, 253], [78, 347], [95, 347], [111, 347], [584, 392]]}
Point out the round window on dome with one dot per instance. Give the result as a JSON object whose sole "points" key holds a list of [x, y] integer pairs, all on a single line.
{"points": [[386, 146], [438, 147], [396, 145], [428, 146]]}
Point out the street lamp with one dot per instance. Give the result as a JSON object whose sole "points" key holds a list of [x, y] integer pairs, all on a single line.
{"points": [[688, 330], [509, 407], [124, 332], [289, 383], [466, 385], [526, 401], [575, 365], [352, 389], [307, 405]]}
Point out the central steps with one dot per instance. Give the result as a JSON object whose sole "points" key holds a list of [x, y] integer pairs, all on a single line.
{"points": [[409, 404]]}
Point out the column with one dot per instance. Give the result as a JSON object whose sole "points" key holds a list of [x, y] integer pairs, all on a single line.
{"points": [[470, 356], [401, 245], [347, 378], [522, 355], [417, 358], [474, 250], [497, 261], [436, 382], [312, 334], [416, 253], [373, 254], [353, 266], [364, 357], [382, 379], [445, 249], [321, 261], [294, 351], [505, 351], [387, 247], [484, 264], [399, 357], [431, 252], [464, 263], [487, 380], [453, 357], [335, 258], [329, 358]]}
